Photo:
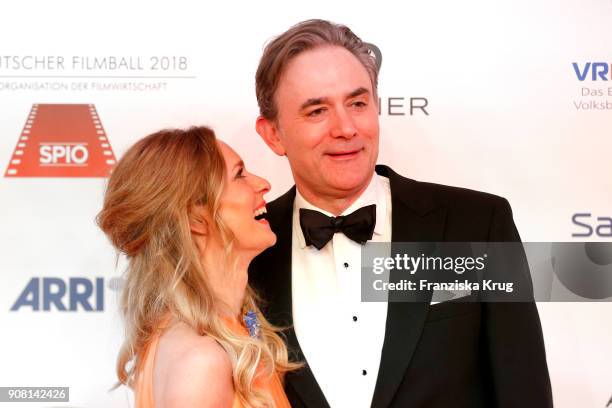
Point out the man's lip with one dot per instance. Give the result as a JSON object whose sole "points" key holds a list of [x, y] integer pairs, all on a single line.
{"points": [[343, 153]]}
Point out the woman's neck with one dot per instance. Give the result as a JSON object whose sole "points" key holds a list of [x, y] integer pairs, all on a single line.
{"points": [[227, 277]]}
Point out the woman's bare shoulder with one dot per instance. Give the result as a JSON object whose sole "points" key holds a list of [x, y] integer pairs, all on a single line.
{"points": [[191, 370]]}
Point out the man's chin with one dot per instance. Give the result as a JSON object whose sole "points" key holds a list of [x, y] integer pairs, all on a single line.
{"points": [[349, 172], [349, 183]]}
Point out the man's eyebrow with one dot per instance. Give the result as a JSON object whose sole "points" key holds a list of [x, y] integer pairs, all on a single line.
{"points": [[319, 101], [313, 101], [359, 91]]}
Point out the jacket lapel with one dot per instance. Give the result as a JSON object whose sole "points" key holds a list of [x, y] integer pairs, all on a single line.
{"points": [[415, 218], [278, 296]]}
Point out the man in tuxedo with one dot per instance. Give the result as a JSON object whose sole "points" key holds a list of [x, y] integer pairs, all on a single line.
{"points": [[316, 89]]}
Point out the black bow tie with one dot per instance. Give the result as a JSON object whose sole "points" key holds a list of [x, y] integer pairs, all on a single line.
{"points": [[318, 228]]}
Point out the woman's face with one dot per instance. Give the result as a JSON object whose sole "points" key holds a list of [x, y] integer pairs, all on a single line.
{"points": [[241, 201]]}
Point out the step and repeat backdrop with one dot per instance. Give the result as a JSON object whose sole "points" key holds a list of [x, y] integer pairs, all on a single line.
{"points": [[508, 97]]}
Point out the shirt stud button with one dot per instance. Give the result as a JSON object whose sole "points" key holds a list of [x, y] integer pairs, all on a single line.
{"points": [[364, 372], [354, 318], [346, 265]]}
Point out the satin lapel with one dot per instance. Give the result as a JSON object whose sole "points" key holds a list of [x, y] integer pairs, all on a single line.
{"points": [[279, 297], [415, 218]]}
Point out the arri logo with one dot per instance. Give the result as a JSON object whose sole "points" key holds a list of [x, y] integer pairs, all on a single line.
{"points": [[598, 71], [71, 295], [62, 141]]}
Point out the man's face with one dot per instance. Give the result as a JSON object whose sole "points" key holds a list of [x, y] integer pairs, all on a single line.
{"points": [[327, 122]]}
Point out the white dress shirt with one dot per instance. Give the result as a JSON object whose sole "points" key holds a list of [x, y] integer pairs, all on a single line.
{"points": [[340, 336]]}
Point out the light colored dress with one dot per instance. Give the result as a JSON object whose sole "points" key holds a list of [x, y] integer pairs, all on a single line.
{"points": [[143, 387]]}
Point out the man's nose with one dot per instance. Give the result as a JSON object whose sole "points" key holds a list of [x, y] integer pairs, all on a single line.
{"points": [[342, 124]]}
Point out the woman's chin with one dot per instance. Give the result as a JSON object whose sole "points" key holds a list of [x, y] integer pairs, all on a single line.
{"points": [[269, 241], [258, 244], [265, 235]]}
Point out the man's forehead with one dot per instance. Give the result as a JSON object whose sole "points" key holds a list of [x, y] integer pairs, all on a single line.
{"points": [[324, 64], [325, 72]]}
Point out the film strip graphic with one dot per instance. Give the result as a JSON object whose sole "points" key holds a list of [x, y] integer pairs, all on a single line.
{"points": [[62, 140]]}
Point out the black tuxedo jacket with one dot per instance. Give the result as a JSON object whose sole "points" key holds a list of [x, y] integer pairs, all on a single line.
{"points": [[447, 355]]}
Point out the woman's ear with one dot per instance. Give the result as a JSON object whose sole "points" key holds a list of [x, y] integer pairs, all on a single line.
{"points": [[198, 223]]}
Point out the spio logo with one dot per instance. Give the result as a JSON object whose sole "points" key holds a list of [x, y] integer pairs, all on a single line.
{"points": [[64, 154], [597, 70], [62, 141], [66, 295]]}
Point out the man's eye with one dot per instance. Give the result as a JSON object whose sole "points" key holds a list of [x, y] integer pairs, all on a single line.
{"points": [[359, 104], [316, 112]]}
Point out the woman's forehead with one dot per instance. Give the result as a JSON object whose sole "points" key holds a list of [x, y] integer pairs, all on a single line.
{"points": [[231, 157]]}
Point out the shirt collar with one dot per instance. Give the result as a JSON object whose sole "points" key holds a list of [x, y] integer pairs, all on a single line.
{"points": [[373, 194]]}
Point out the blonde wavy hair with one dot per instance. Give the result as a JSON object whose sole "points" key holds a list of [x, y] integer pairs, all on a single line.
{"points": [[147, 207]]}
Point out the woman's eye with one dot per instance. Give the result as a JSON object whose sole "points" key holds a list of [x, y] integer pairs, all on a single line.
{"points": [[240, 173]]}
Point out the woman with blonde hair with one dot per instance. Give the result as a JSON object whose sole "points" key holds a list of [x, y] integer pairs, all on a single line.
{"points": [[189, 217]]}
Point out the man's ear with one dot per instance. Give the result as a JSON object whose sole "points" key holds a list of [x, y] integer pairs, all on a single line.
{"points": [[269, 133], [197, 221]]}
